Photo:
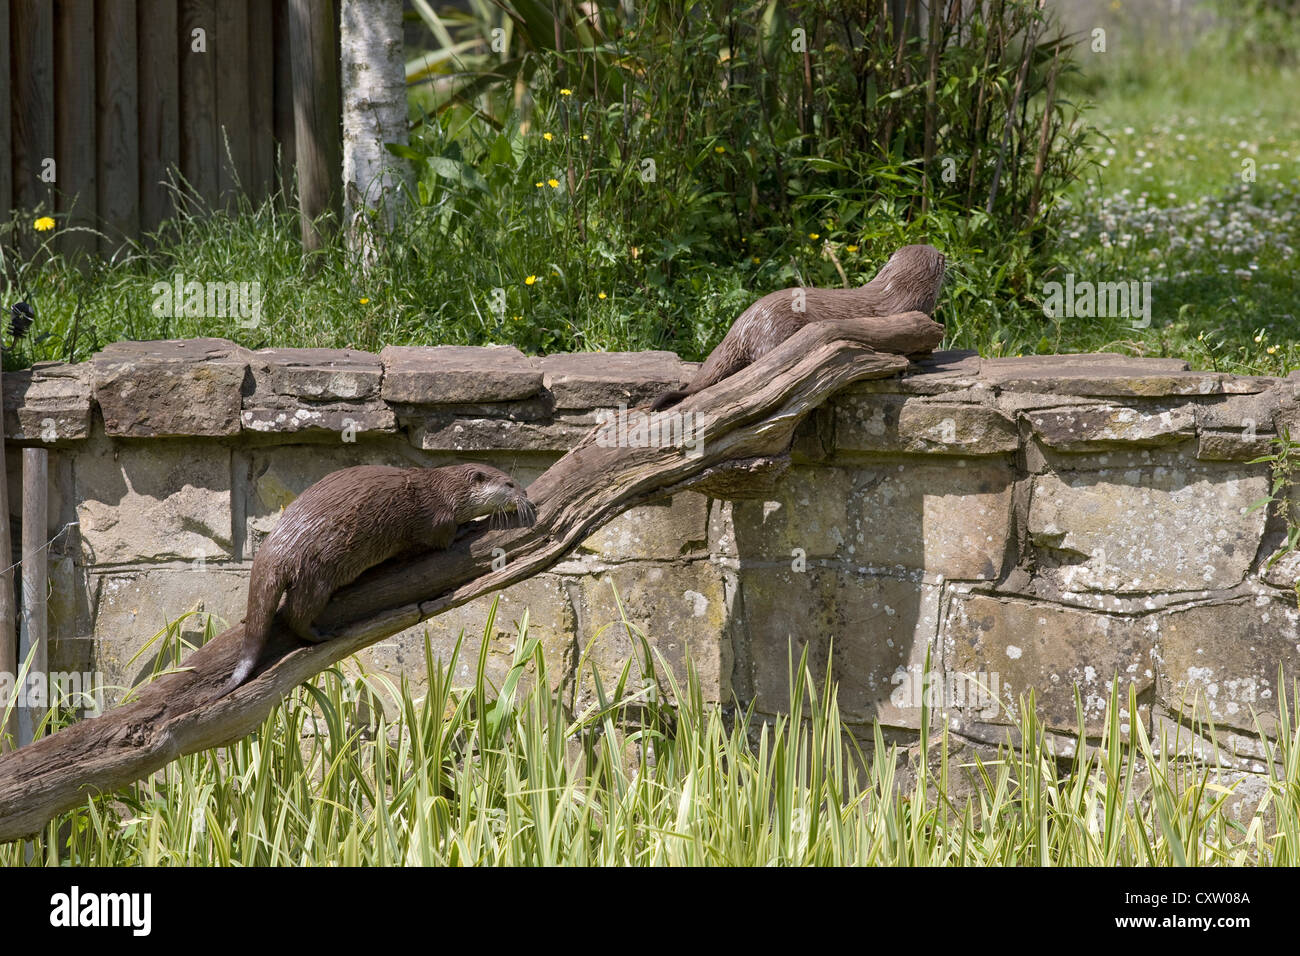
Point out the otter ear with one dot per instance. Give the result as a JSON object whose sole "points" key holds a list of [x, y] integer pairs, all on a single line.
{"points": [[478, 476]]}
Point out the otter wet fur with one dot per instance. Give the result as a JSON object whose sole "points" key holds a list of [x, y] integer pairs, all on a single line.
{"points": [[352, 520], [908, 282]]}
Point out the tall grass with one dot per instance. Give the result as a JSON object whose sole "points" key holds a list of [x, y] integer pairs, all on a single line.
{"points": [[364, 771]]}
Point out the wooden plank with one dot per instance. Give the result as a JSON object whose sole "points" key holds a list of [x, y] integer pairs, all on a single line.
{"points": [[74, 135], [230, 52], [31, 66], [283, 119], [34, 640], [6, 142], [316, 112], [261, 97], [199, 151], [160, 106], [118, 134]]}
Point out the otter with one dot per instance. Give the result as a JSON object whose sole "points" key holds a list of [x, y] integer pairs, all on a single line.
{"points": [[350, 521], [908, 282]]}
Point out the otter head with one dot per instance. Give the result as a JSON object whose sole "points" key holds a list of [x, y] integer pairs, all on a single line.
{"points": [[488, 491], [911, 279]]}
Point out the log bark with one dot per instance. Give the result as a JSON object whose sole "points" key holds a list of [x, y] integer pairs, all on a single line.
{"points": [[744, 426]]}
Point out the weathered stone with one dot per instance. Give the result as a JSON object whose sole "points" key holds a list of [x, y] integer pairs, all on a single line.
{"points": [[679, 609], [49, 403], [608, 379], [891, 424], [949, 521], [286, 416], [1146, 530], [1224, 659], [672, 529], [1284, 572], [450, 374], [1054, 651], [319, 375], [550, 620], [1105, 426], [188, 387], [1110, 375], [1232, 446], [153, 501], [450, 433], [874, 630], [133, 607], [1243, 414]]}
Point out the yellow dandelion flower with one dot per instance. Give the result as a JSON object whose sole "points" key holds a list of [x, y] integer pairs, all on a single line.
{"points": [[813, 235], [530, 280], [548, 137], [566, 92], [585, 136], [553, 183], [719, 149], [540, 185], [600, 296], [1272, 349], [850, 248], [364, 301], [44, 224]]}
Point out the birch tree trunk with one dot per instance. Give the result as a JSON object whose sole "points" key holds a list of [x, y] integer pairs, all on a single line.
{"points": [[374, 113]]}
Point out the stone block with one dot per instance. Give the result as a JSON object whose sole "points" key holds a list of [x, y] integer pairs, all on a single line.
{"points": [[450, 374], [1146, 530], [680, 609], [1054, 651], [132, 607], [1224, 659], [153, 501], [188, 387], [49, 402]]}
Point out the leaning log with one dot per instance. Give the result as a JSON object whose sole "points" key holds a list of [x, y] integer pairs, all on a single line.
{"points": [[744, 426]]}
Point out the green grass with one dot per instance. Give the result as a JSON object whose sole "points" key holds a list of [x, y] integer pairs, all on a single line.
{"points": [[511, 777], [1165, 202]]}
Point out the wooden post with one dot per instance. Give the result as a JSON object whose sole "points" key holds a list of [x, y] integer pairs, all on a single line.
{"points": [[35, 572], [316, 114], [8, 641]]}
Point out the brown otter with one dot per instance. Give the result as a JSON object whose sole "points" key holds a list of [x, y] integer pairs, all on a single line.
{"points": [[350, 521], [908, 282]]}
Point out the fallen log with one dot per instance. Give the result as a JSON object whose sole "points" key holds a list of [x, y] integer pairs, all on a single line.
{"points": [[743, 425]]}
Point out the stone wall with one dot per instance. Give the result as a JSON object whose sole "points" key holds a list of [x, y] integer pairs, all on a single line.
{"points": [[1042, 523]]}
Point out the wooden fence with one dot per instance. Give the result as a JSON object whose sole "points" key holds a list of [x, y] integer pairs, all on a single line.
{"points": [[102, 100]]}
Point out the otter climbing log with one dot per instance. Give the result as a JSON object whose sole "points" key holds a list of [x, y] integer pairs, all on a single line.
{"points": [[743, 428]]}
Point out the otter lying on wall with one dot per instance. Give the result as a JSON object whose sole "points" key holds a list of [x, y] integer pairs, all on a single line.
{"points": [[908, 282], [350, 521]]}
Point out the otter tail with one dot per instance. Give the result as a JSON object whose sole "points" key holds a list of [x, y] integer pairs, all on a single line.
{"points": [[669, 399], [264, 592]]}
